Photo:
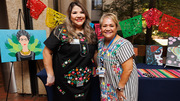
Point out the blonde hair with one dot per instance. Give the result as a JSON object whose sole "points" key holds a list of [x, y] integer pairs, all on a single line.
{"points": [[110, 16], [86, 26]]}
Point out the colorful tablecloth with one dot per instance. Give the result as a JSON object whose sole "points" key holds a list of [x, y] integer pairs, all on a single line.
{"points": [[160, 73]]}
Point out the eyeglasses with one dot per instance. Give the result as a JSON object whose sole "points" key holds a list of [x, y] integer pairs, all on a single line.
{"points": [[25, 39]]}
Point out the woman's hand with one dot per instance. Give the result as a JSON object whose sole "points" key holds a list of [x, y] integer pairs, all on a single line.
{"points": [[47, 60], [50, 80], [127, 67], [120, 95]]}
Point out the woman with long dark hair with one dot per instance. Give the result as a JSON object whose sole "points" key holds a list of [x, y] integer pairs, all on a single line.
{"points": [[68, 55]]}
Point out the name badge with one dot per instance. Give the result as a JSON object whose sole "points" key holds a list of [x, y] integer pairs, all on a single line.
{"points": [[75, 41], [100, 71], [79, 83]]}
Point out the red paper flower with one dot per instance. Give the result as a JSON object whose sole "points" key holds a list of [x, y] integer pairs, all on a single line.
{"points": [[36, 7], [170, 25], [98, 30], [152, 17]]}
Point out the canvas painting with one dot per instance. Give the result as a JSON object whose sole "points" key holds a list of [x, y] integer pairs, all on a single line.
{"points": [[173, 52], [19, 45], [154, 55]]}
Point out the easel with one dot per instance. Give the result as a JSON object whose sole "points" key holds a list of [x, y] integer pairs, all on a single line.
{"points": [[9, 81], [18, 21]]}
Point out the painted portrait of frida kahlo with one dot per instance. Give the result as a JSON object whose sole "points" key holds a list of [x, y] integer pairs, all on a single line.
{"points": [[25, 54], [19, 45]]}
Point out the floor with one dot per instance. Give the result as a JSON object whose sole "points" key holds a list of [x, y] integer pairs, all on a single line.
{"points": [[16, 96]]}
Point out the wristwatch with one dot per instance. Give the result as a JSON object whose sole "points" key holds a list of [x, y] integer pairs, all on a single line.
{"points": [[120, 89]]}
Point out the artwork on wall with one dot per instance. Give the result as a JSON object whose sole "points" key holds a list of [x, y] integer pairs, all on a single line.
{"points": [[19, 45], [173, 52], [154, 55]]}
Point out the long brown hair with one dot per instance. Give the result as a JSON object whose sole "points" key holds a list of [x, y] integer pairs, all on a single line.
{"points": [[88, 32]]}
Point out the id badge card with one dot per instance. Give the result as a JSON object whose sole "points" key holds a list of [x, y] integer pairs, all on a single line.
{"points": [[79, 83], [100, 71], [75, 41]]}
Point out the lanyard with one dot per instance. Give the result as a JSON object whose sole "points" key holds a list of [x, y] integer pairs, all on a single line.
{"points": [[102, 56]]}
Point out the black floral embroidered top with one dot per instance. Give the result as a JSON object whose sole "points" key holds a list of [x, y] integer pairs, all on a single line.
{"points": [[72, 64]]}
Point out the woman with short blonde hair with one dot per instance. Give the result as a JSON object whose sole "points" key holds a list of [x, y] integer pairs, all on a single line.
{"points": [[119, 78]]}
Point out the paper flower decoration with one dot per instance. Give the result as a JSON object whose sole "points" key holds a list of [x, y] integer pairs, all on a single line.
{"points": [[170, 25], [152, 17], [98, 31], [92, 25], [36, 7], [54, 18], [131, 26]]}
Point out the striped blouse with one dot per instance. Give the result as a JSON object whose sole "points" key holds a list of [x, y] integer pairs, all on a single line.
{"points": [[116, 54]]}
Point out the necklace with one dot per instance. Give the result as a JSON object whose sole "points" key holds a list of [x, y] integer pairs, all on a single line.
{"points": [[25, 53], [83, 45], [82, 38]]}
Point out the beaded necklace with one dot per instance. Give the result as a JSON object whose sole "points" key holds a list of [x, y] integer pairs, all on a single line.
{"points": [[25, 53]]}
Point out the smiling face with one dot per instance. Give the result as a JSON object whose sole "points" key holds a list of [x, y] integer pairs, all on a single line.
{"points": [[108, 28], [77, 16], [24, 41], [157, 56]]}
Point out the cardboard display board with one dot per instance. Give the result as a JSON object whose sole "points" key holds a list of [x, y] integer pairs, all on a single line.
{"points": [[173, 52], [18, 45], [154, 55]]}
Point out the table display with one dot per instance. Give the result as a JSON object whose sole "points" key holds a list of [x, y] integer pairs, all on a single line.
{"points": [[165, 88]]}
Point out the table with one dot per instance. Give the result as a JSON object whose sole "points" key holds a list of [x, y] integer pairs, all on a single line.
{"points": [[158, 89], [150, 89]]}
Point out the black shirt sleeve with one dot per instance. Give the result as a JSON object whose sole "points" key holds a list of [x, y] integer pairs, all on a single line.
{"points": [[53, 41]]}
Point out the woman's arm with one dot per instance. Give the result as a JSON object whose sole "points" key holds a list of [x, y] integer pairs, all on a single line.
{"points": [[95, 58], [47, 59], [127, 67], [95, 62]]}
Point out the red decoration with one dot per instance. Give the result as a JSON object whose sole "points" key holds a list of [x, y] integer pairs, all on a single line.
{"points": [[152, 17], [36, 7], [98, 31], [170, 25], [154, 48]]}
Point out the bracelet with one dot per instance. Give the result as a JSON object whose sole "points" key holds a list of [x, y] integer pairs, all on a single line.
{"points": [[120, 89]]}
